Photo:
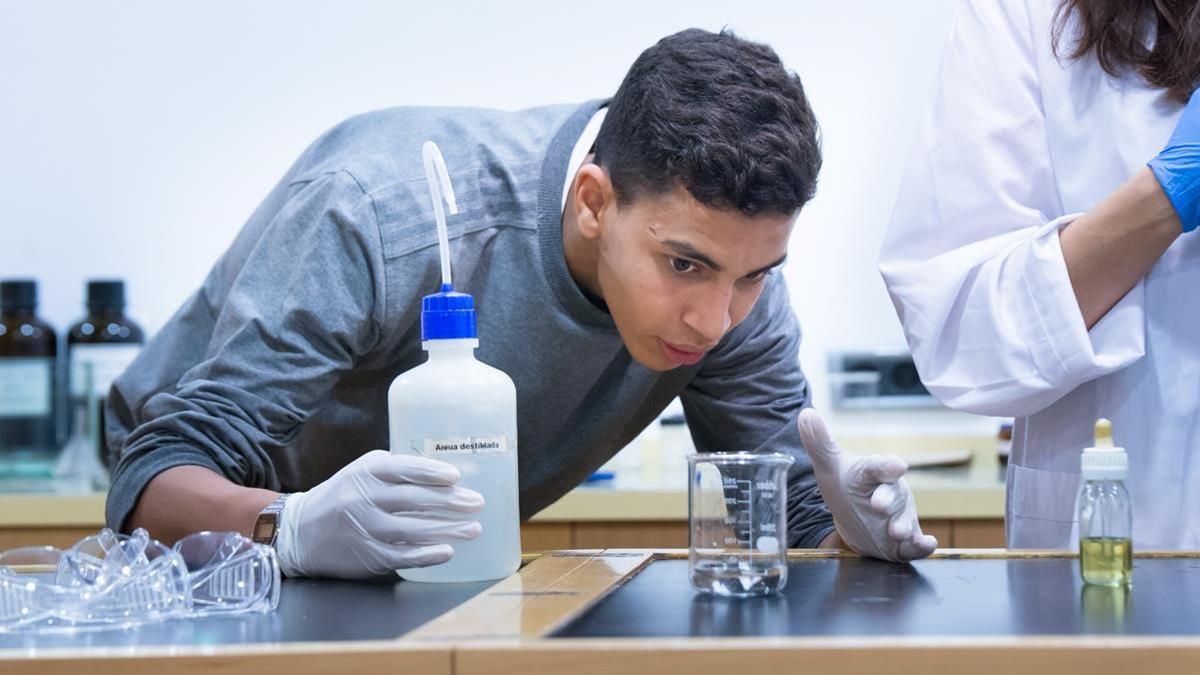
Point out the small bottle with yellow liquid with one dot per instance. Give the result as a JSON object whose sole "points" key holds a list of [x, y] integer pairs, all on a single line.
{"points": [[1105, 513]]}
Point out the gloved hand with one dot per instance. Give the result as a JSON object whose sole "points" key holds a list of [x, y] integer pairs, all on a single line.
{"points": [[372, 518], [872, 505], [1177, 167]]}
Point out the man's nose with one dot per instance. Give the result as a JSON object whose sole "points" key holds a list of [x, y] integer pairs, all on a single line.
{"points": [[708, 316]]}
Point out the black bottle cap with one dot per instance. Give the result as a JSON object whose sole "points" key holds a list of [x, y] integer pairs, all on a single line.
{"points": [[18, 294], [106, 294]]}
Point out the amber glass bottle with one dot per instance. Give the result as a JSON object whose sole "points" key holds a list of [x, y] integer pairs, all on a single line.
{"points": [[28, 351], [108, 340]]}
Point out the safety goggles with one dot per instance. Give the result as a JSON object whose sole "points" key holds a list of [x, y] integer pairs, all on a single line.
{"points": [[110, 579]]}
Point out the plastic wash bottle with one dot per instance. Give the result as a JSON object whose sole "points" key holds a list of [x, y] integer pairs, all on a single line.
{"points": [[457, 409]]}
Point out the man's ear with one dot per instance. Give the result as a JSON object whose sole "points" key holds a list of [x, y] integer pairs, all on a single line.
{"points": [[593, 195]]}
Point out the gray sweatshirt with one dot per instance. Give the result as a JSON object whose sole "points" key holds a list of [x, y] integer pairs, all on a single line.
{"points": [[275, 372]]}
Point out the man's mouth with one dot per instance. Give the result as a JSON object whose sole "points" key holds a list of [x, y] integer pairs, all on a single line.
{"points": [[684, 355]]}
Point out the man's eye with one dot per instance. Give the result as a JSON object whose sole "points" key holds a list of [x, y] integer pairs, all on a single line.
{"points": [[681, 265], [757, 276]]}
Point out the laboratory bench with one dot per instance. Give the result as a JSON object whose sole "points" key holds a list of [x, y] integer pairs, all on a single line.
{"points": [[962, 503], [628, 610]]}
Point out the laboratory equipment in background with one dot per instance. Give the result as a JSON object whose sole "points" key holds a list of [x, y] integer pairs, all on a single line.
{"points": [[870, 380], [456, 409], [654, 458], [737, 519], [28, 352], [79, 469], [1105, 513], [107, 340], [1004, 441], [676, 439]]}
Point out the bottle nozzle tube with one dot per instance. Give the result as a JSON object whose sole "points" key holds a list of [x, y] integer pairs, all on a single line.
{"points": [[440, 188]]}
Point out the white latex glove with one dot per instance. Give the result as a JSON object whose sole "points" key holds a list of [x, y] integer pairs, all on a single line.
{"points": [[871, 503], [374, 517]]}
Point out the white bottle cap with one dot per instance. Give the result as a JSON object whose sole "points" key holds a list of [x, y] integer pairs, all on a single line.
{"points": [[1103, 461]]}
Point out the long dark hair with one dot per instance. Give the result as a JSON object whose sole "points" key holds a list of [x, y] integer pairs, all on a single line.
{"points": [[1117, 31]]}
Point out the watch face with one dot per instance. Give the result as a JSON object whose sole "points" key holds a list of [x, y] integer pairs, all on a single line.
{"points": [[264, 529]]}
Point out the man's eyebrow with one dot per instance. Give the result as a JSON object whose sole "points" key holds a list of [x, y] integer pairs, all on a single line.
{"points": [[686, 250], [772, 266]]}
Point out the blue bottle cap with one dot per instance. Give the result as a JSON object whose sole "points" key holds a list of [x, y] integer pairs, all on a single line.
{"points": [[447, 315]]}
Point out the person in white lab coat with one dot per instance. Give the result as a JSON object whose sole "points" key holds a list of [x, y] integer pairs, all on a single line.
{"points": [[1042, 270]]}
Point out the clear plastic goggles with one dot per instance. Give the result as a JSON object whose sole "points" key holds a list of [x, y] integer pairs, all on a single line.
{"points": [[228, 573], [111, 579]]}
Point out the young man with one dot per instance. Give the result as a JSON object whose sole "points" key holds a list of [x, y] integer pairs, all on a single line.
{"points": [[620, 255]]}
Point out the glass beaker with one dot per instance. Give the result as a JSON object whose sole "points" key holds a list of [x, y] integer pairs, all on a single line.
{"points": [[737, 517]]}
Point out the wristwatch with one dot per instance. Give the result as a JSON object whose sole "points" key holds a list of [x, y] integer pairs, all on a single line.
{"points": [[266, 528]]}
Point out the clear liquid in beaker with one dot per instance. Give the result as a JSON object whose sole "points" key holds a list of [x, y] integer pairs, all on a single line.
{"points": [[738, 576], [738, 521]]}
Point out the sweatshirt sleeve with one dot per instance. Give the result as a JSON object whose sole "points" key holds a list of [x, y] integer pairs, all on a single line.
{"points": [[972, 258], [305, 305], [746, 397]]}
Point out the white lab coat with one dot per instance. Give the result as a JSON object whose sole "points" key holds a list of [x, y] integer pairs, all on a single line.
{"points": [[1015, 146]]}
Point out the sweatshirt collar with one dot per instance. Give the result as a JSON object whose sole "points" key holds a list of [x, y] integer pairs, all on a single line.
{"points": [[555, 166]]}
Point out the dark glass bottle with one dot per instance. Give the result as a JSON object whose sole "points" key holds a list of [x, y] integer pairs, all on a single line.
{"points": [[28, 352], [108, 340]]}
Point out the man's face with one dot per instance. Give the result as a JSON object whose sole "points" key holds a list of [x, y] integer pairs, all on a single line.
{"points": [[678, 275]]}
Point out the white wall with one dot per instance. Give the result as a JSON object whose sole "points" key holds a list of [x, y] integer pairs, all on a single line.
{"points": [[137, 136]]}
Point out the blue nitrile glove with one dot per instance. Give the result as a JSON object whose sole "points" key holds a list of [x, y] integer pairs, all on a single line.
{"points": [[1177, 167]]}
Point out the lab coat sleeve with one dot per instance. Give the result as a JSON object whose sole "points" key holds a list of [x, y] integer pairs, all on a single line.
{"points": [[306, 304], [746, 397], [972, 258]]}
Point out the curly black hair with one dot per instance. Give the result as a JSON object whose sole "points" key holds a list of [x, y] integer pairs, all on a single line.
{"points": [[720, 116]]}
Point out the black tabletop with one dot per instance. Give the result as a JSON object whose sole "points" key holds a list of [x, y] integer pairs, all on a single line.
{"points": [[309, 610], [859, 597]]}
